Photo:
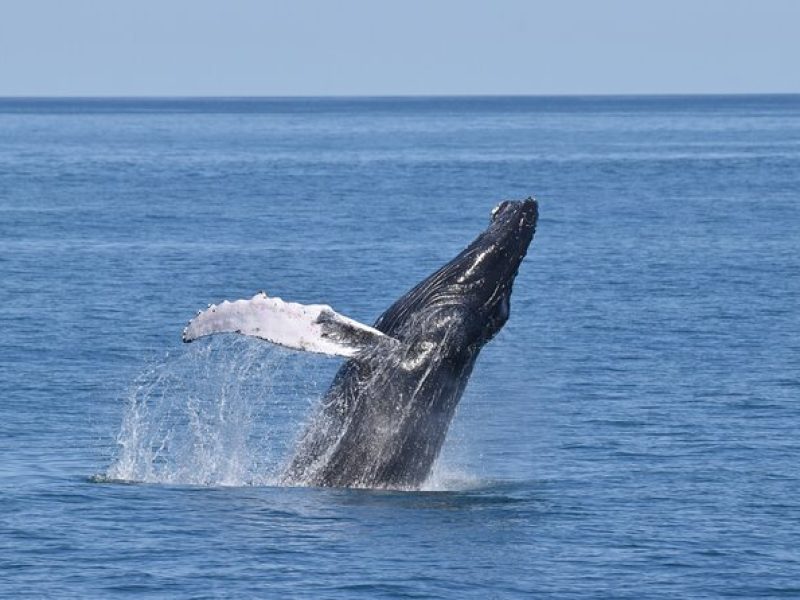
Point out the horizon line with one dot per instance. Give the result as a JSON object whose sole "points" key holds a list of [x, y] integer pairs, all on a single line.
{"points": [[387, 96]]}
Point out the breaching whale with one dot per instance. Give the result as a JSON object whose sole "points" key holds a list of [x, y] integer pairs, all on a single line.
{"points": [[384, 419]]}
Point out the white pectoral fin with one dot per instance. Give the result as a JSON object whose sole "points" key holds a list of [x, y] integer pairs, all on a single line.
{"points": [[309, 327]]}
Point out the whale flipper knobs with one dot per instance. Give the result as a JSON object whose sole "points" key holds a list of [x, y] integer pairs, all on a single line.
{"points": [[312, 327]]}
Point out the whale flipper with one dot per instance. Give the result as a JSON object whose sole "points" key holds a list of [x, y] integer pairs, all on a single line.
{"points": [[309, 327]]}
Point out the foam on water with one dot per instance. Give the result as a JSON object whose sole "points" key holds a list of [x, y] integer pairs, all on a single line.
{"points": [[209, 415], [446, 477]]}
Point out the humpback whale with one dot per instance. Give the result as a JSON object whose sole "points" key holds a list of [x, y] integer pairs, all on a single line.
{"points": [[384, 418]]}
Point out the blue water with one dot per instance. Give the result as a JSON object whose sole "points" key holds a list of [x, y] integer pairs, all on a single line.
{"points": [[631, 433]]}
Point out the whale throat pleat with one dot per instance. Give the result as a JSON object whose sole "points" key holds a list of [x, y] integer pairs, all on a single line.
{"points": [[309, 327]]}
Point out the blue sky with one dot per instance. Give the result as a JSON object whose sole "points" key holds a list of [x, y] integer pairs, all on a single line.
{"points": [[344, 47]]}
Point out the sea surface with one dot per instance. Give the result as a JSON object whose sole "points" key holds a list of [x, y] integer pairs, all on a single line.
{"points": [[631, 433]]}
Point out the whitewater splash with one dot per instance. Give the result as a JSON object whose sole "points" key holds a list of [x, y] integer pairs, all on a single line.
{"points": [[228, 412], [216, 414]]}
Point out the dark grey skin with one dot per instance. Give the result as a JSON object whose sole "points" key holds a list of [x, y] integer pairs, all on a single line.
{"points": [[384, 419]]}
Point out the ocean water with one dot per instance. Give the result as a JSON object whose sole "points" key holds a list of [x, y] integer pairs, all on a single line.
{"points": [[631, 433]]}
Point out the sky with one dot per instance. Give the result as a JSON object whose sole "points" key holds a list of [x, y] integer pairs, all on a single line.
{"points": [[408, 47]]}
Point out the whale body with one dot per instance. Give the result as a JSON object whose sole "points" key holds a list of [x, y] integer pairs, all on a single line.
{"points": [[384, 419]]}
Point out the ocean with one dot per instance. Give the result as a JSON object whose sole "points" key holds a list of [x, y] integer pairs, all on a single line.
{"points": [[630, 433]]}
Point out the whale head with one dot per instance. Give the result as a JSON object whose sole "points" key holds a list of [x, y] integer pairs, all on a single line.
{"points": [[467, 301], [486, 271]]}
